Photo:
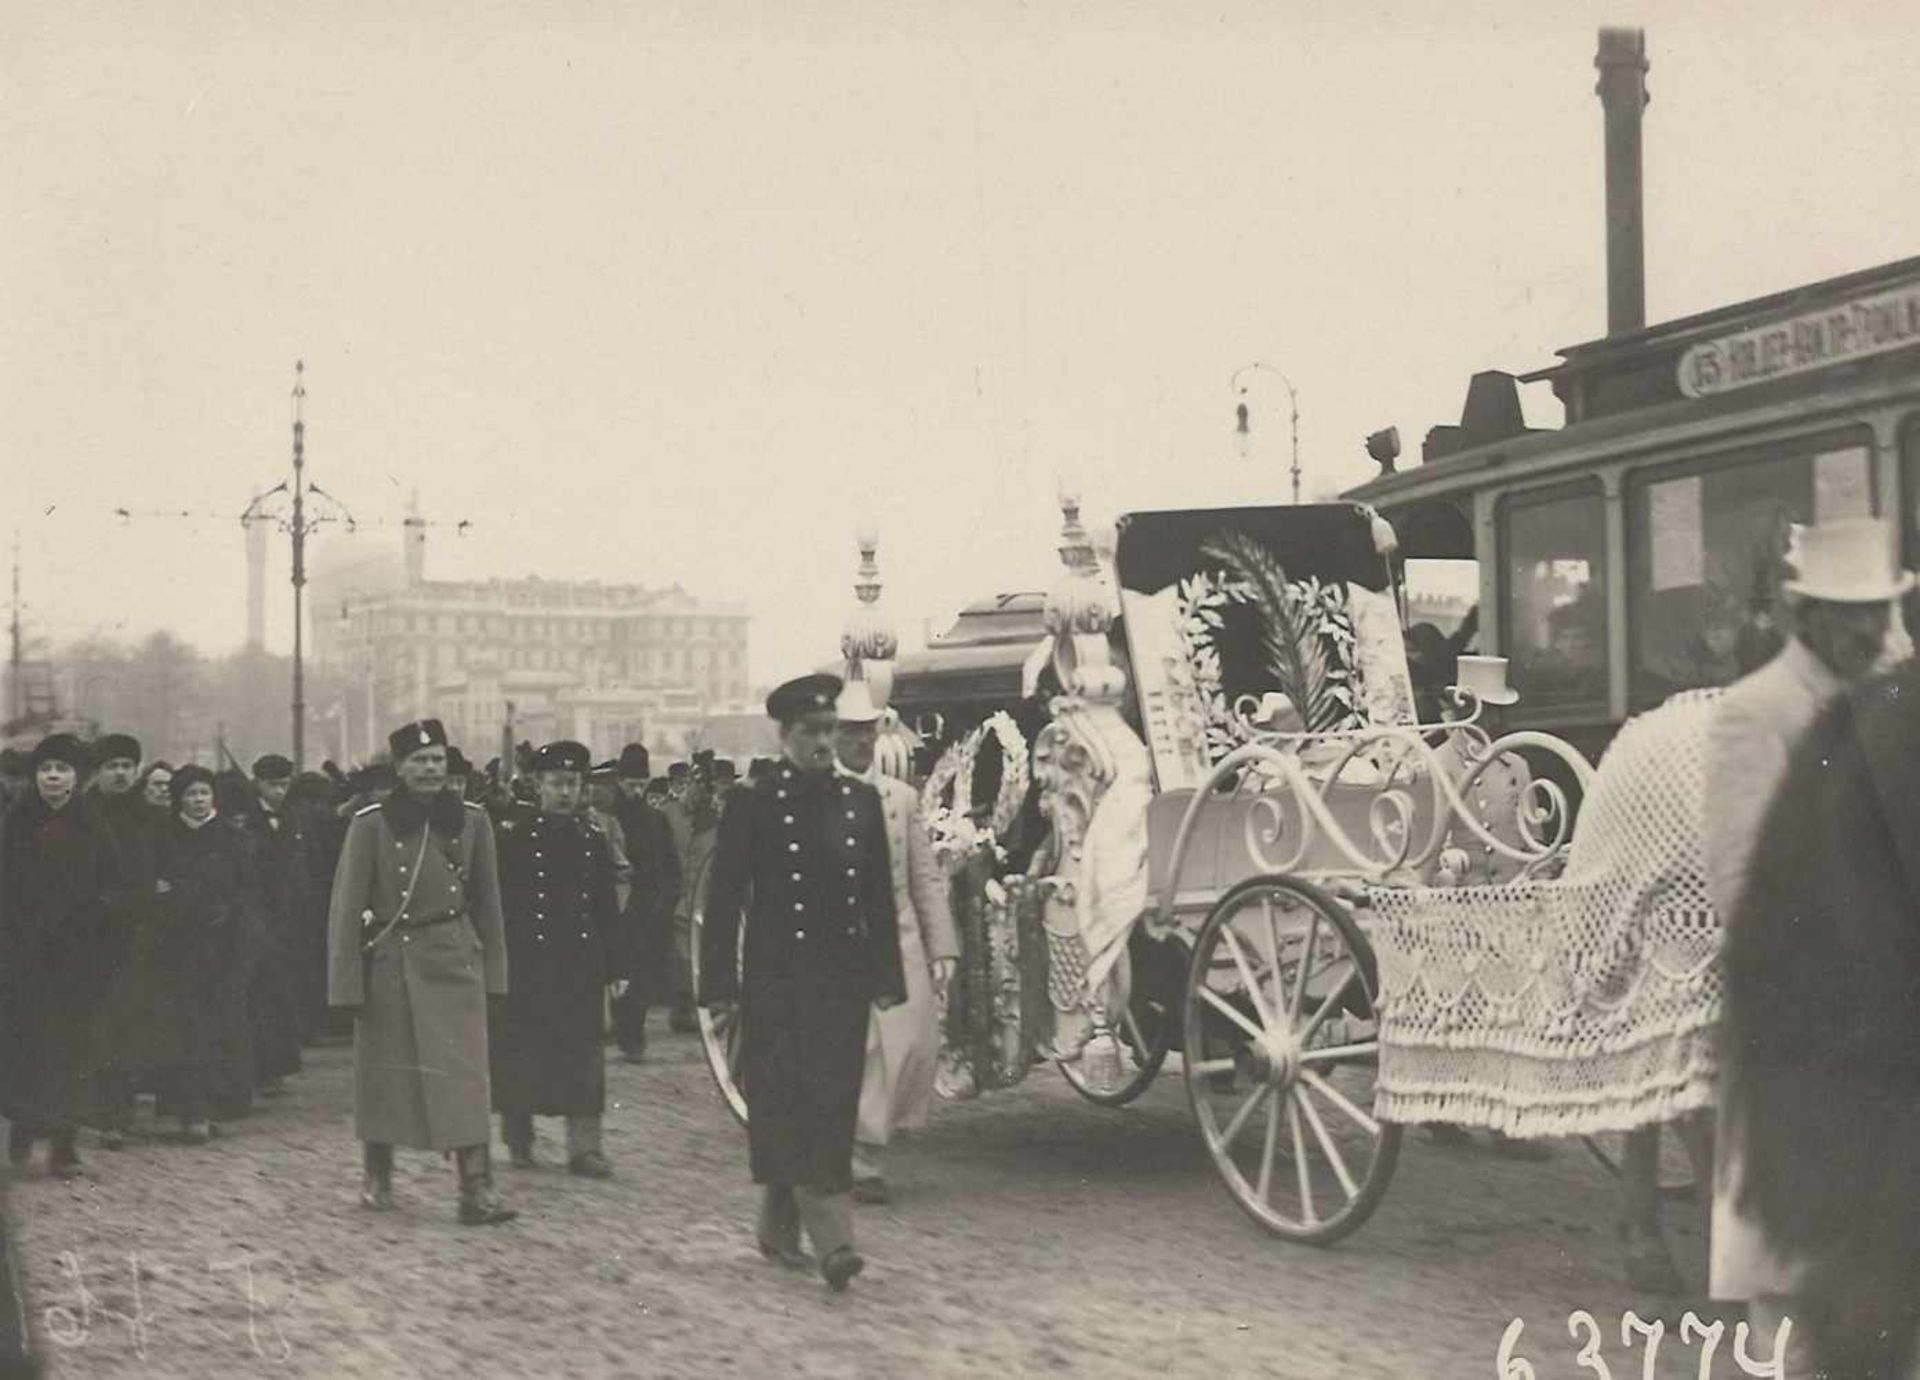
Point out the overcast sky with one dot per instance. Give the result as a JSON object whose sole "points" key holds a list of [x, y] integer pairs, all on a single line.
{"points": [[684, 292]]}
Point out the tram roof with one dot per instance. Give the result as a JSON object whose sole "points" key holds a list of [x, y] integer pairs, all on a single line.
{"points": [[1628, 386]]}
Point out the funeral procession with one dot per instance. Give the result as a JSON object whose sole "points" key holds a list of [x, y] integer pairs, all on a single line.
{"points": [[850, 744]]}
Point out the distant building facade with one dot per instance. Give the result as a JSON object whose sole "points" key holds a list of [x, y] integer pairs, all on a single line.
{"points": [[603, 664]]}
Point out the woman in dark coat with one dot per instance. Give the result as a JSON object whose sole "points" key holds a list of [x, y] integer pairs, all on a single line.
{"points": [[1822, 1026], [58, 950], [207, 919]]}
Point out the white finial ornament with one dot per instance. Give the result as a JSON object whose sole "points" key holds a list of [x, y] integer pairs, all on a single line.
{"points": [[867, 640]]}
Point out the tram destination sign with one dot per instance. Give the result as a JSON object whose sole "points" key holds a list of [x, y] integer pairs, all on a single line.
{"points": [[1801, 344]]}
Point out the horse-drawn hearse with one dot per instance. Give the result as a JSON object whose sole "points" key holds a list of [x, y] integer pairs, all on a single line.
{"points": [[1339, 895]]}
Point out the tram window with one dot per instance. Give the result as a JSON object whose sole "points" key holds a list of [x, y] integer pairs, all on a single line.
{"points": [[1555, 615], [1705, 545], [1443, 624]]}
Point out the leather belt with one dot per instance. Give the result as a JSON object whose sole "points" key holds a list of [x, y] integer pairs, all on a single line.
{"points": [[435, 920]]}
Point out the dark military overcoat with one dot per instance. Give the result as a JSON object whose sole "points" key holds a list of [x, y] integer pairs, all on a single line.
{"points": [[803, 857], [279, 847], [566, 940], [654, 899]]}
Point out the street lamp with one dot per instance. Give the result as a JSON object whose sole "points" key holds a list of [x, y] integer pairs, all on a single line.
{"points": [[1243, 424], [298, 524]]}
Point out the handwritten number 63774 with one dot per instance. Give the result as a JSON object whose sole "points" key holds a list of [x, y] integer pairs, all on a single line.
{"points": [[1584, 1329]]}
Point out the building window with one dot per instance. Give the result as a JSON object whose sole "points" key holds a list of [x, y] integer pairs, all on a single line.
{"points": [[1705, 542], [1553, 546]]}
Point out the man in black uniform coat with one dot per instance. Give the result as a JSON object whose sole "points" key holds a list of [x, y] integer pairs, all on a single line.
{"points": [[279, 849], [566, 947], [650, 904], [803, 854]]}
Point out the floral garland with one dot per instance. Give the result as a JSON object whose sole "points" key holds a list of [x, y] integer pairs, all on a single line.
{"points": [[1199, 602], [952, 827]]}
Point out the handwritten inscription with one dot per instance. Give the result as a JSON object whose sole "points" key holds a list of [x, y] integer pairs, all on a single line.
{"points": [[82, 1317], [1636, 1332]]}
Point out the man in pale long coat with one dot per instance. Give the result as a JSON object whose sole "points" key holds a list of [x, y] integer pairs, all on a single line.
{"points": [[415, 946], [903, 1044], [1840, 610]]}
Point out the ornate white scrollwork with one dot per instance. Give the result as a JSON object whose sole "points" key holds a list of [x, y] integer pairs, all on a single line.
{"points": [[1284, 792]]}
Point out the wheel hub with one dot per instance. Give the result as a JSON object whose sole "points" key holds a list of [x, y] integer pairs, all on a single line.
{"points": [[1273, 1059]]}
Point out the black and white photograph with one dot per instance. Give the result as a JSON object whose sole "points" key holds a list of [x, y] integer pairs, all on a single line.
{"points": [[1116, 689]]}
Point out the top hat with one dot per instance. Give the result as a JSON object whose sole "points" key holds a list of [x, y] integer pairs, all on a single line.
{"points": [[1847, 561], [1485, 677]]}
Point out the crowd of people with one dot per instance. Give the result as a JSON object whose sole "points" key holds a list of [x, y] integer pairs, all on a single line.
{"points": [[173, 933]]}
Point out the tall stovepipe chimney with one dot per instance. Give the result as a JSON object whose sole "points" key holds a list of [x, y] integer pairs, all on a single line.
{"points": [[1623, 96]]}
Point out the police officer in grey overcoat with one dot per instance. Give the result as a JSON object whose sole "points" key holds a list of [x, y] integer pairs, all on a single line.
{"points": [[415, 945], [803, 856]]}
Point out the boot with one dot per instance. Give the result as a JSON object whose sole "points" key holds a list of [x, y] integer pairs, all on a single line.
{"points": [[778, 1228], [869, 1183], [828, 1217], [516, 1129], [479, 1205], [19, 1145], [839, 1268], [376, 1184], [584, 1156], [64, 1157]]}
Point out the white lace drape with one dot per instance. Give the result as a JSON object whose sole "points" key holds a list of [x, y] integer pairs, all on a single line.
{"points": [[1583, 1004]]}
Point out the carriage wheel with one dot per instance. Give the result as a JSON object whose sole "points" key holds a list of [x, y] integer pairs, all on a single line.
{"points": [[1281, 1055], [720, 1035], [1143, 1037]]}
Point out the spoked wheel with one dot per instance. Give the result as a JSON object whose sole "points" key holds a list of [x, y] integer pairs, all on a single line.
{"points": [[1143, 1040], [1677, 1181], [720, 1036], [1282, 1051]]}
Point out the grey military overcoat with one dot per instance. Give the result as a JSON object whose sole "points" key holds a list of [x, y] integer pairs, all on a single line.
{"points": [[420, 1043]]}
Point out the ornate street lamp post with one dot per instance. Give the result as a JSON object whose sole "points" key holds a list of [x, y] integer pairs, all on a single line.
{"points": [[1243, 422]]}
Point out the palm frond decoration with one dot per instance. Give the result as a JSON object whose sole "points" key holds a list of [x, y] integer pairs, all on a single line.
{"points": [[1290, 642]]}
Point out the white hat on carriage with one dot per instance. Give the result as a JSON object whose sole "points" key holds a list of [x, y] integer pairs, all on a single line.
{"points": [[1486, 678], [1847, 561], [855, 704]]}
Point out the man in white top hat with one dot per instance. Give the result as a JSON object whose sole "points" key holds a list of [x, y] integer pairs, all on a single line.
{"points": [[1840, 606], [903, 1043]]}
